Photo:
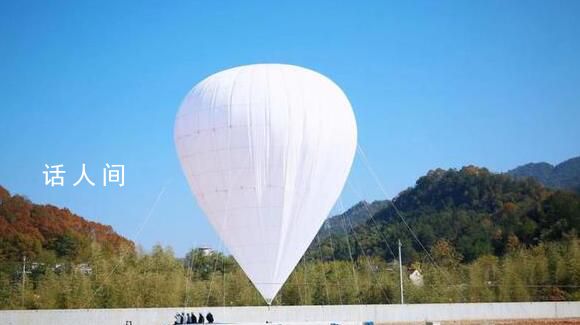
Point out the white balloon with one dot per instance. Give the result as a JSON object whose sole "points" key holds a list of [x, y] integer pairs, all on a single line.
{"points": [[266, 149]]}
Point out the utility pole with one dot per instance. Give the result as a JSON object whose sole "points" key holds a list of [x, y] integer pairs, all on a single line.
{"points": [[401, 274], [23, 276]]}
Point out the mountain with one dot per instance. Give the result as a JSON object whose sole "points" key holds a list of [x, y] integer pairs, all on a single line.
{"points": [[478, 212], [565, 176], [351, 218], [33, 230]]}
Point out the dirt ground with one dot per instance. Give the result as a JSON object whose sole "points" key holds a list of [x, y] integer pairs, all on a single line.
{"points": [[537, 322]]}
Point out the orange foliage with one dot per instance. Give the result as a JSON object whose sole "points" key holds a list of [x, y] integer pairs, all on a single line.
{"points": [[27, 228]]}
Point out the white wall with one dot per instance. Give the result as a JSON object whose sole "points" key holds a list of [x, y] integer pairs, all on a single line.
{"points": [[298, 314]]}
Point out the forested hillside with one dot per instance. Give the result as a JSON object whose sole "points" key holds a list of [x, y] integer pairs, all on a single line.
{"points": [[476, 211], [50, 233]]}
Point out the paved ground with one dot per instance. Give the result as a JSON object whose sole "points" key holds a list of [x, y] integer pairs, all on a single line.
{"points": [[574, 321]]}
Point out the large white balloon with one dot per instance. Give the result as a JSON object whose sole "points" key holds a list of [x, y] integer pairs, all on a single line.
{"points": [[266, 149]]}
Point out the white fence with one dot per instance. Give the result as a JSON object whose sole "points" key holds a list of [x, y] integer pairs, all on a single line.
{"points": [[301, 314]]}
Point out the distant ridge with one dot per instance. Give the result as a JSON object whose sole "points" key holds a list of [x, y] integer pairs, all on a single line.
{"points": [[356, 215], [564, 176]]}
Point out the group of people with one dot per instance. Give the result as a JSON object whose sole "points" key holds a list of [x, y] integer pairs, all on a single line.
{"points": [[190, 318]]}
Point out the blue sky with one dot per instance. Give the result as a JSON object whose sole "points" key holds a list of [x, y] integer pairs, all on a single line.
{"points": [[433, 84]]}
